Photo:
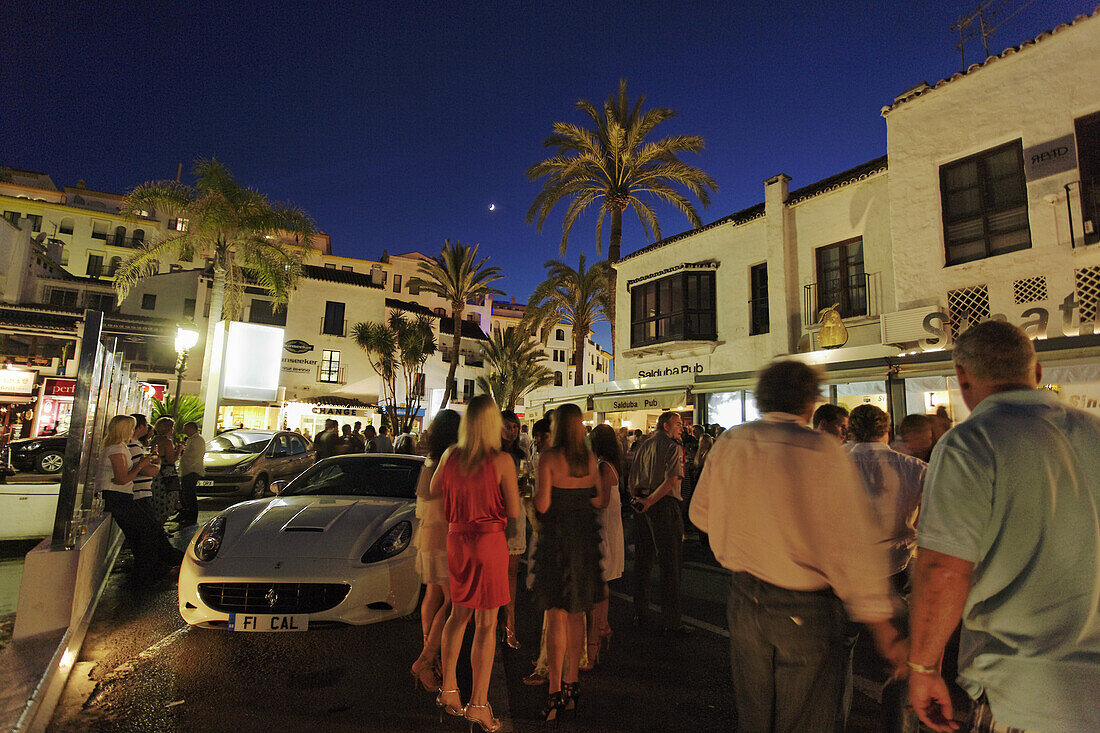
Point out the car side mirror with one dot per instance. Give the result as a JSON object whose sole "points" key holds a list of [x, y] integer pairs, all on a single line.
{"points": [[277, 487]]}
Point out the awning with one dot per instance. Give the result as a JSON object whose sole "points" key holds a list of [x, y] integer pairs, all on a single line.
{"points": [[626, 401]]}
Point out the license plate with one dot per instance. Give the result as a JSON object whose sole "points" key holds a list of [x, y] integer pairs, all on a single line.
{"points": [[204, 483], [267, 622]]}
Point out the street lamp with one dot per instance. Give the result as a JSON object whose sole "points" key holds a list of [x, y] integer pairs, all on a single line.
{"points": [[186, 338]]}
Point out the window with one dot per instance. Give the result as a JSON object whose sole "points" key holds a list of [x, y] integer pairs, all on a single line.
{"points": [[99, 230], [95, 266], [36, 222], [297, 445], [139, 236], [557, 379], [467, 390], [333, 324], [263, 311], [100, 302], [177, 225], [66, 226], [677, 307], [61, 298], [441, 312], [985, 204], [474, 317], [330, 265], [841, 280], [120, 237], [113, 267], [758, 299], [396, 283], [330, 366], [347, 268], [189, 307], [560, 334], [148, 301], [13, 217], [414, 286], [418, 384], [1087, 131]]}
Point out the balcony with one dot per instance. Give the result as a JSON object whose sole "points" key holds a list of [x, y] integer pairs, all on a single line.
{"points": [[332, 327], [858, 297], [328, 375]]}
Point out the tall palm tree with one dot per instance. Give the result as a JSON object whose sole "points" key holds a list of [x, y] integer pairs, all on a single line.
{"points": [[457, 276], [514, 369], [247, 237], [580, 298], [614, 166], [393, 347]]}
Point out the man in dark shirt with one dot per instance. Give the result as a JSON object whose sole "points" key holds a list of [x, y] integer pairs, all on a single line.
{"points": [[655, 477], [328, 441]]}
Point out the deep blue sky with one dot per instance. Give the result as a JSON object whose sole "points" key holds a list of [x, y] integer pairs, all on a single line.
{"points": [[397, 124]]}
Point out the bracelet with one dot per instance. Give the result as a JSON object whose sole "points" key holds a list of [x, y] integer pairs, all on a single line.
{"points": [[921, 669]]}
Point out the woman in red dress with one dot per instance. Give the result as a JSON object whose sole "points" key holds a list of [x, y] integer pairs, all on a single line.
{"points": [[478, 486]]}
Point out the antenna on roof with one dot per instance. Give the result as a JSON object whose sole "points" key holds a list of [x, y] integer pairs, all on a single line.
{"points": [[965, 26]]}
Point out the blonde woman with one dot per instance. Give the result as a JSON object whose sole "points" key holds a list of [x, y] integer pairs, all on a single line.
{"points": [[431, 552], [568, 580], [478, 485], [153, 555]]}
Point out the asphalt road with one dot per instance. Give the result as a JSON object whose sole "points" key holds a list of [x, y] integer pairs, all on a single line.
{"points": [[143, 669]]}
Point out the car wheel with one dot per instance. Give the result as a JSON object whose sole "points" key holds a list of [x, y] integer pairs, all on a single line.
{"points": [[259, 489], [49, 462]]}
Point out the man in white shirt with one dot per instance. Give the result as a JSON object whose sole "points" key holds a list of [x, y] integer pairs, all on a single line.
{"points": [[787, 514], [191, 470]]}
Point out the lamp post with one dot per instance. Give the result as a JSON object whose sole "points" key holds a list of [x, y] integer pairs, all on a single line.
{"points": [[186, 337]]}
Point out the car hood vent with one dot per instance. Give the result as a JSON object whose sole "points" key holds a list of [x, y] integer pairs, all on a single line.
{"points": [[316, 517]]}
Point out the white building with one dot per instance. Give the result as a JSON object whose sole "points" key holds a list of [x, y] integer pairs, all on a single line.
{"points": [[986, 205]]}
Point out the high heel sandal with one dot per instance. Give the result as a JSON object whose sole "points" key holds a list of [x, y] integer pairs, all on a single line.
{"points": [[571, 691], [452, 711], [493, 724], [555, 704], [425, 676], [593, 656], [509, 638]]}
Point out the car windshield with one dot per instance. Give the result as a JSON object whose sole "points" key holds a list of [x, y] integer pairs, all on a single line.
{"points": [[238, 441], [391, 478]]}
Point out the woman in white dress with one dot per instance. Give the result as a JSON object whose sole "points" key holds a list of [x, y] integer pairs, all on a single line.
{"points": [[605, 445]]}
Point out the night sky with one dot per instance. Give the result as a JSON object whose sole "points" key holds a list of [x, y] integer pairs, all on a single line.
{"points": [[397, 124]]}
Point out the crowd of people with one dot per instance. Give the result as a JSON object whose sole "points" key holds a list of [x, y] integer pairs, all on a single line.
{"points": [[335, 440], [144, 474], [987, 531]]}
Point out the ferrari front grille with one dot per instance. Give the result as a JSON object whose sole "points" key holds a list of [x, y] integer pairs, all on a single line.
{"points": [[272, 597]]}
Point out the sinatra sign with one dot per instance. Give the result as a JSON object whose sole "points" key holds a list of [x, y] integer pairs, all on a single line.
{"points": [[1034, 321]]}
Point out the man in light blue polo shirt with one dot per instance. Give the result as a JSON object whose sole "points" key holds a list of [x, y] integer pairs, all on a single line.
{"points": [[1009, 540]]}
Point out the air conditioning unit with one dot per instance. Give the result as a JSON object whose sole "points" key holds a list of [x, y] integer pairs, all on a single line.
{"points": [[907, 326]]}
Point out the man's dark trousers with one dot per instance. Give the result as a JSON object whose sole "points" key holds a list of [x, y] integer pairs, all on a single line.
{"points": [[189, 503], [786, 656], [660, 531]]}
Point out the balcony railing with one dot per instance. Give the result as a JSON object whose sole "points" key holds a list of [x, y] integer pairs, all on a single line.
{"points": [[858, 296], [759, 319], [333, 328], [332, 376]]}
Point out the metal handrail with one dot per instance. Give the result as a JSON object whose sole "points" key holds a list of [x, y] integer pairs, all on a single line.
{"points": [[868, 281], [343, 329]]}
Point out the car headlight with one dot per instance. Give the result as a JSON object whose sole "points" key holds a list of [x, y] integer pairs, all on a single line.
{"points": [[390, 544], [244, 466], [209, 539]]}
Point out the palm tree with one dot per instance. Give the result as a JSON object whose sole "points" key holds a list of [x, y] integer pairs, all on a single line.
{"points": [[514, 368], [580, 298], [397, 346], [248, 238], [614, 166], [456, 275]]}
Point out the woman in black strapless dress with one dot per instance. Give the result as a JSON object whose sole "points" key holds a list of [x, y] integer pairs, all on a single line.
{"points": [[568, 580]]}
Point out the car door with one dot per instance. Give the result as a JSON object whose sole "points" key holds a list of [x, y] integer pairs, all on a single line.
{"points": [[303, 456], [280, 458]]}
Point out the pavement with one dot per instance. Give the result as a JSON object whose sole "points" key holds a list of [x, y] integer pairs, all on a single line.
{"points": [[143, 669]]}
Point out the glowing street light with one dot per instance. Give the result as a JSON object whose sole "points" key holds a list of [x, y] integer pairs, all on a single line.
{"points": [[186, 338]]}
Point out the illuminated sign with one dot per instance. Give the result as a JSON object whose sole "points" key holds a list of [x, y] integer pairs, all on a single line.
{"points": [[652, 401], [1034, 321], [59, 387], [251, 366], [17, 381], [695, 368]]}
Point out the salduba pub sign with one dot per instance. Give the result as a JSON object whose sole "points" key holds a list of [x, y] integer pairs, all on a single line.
{"points": [[1034, 321]]}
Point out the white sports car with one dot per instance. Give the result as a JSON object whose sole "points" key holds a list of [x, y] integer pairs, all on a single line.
{"points": [[334, 547]]}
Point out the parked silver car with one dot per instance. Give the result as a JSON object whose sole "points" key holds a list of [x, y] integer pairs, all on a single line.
{"points": [[247, 461]]}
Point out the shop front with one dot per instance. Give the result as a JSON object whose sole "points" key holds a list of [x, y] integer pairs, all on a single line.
{"points": [[639, 410], [54, 406], [308, 417], [17, 399]]}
